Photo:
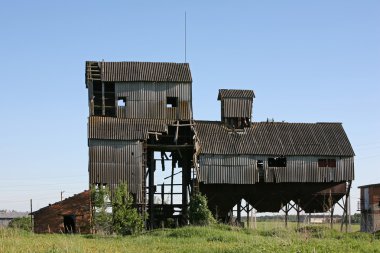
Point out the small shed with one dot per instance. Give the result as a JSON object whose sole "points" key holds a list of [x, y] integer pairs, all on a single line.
{"points": [[370, 208], [71, 215], [7, 216]]}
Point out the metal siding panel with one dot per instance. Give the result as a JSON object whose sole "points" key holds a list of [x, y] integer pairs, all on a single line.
{"points": [[228, 169], [148, 100], [112, 162], [237, 107], [222, 169]]}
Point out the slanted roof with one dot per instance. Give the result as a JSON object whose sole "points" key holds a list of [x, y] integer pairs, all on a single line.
{"points": [[369, 185], [12, 215], [57, 205], [142, 71], [110, 128], [224, 93], [274, 138]]}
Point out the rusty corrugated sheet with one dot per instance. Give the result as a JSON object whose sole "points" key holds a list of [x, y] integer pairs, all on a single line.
{"points": [[148, 101], [304, 169], [242, 169], [328, 139], [231, 93], [145, 71], [233, 107], [222, 169], [113, 162], [124, 129]]}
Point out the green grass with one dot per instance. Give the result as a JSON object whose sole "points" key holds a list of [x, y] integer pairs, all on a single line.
{"points": [[217, 238]]}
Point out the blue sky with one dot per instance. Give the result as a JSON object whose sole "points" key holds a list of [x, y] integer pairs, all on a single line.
{"points": [[308, 61]]}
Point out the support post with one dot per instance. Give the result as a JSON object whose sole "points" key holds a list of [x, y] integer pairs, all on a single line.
{"points": [[31, 215], [332, 217], [298, 213], [345, 208], [171, 183], [151, 169], [162, 194], [331, 206], [238, 213], [349, 213], [247, 207], [286, 215], [186, 174]]}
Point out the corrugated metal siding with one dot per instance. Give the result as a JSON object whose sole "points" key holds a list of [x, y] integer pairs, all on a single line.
{"points": [[113, 162], [124, 129], [235, 107], [145, 71], [264, 138], [219, 169], [148, 100], [228, 93]]}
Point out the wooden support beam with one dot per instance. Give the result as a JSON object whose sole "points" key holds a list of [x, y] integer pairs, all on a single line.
{"points": [[169, 147], [151, 170]]}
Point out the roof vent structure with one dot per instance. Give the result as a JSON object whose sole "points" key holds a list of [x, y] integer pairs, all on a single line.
{"points": [[236, 107]]}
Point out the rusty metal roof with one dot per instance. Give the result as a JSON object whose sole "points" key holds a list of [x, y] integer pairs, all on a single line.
{"points": [[109, 128], [84, 194], [369, 185], [226, 93], [143, 71], [274, 138]]}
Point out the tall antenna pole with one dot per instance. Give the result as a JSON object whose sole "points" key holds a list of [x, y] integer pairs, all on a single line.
{"points": [[185, 36]]}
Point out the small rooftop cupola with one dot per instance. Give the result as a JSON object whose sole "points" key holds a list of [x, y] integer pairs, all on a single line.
{"points": [[236, 107]]}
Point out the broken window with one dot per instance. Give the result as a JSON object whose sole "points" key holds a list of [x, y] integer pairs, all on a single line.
{"points": [[171, 102], [322, 163], [260, 166], [121, 101], [277, 161], [97, 99], [109, 99]]}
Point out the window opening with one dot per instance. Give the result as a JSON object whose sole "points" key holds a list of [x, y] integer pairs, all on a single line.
{"points": [[260, 166], [171, 102], [277, 161], [121, 101], [331, 163]]}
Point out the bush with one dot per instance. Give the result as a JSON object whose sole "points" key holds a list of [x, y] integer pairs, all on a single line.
{"points": [[21, 223], [123, 219], [199, 214], [126, 219], [102, 218]]}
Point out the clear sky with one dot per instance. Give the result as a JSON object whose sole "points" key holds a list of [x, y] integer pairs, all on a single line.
{"points": [[308, 61]]}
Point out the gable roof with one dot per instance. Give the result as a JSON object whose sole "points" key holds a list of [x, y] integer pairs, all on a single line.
{"points": [[228, 93], [84, 194], [12, 215], [140, 71], [274, 138]]}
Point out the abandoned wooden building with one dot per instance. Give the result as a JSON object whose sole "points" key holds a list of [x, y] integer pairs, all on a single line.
{"points": [[139, 109], [71, 215], [370, 208]]}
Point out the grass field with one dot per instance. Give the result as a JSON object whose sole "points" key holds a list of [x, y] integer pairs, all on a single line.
{"points": [[268, 237]]}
